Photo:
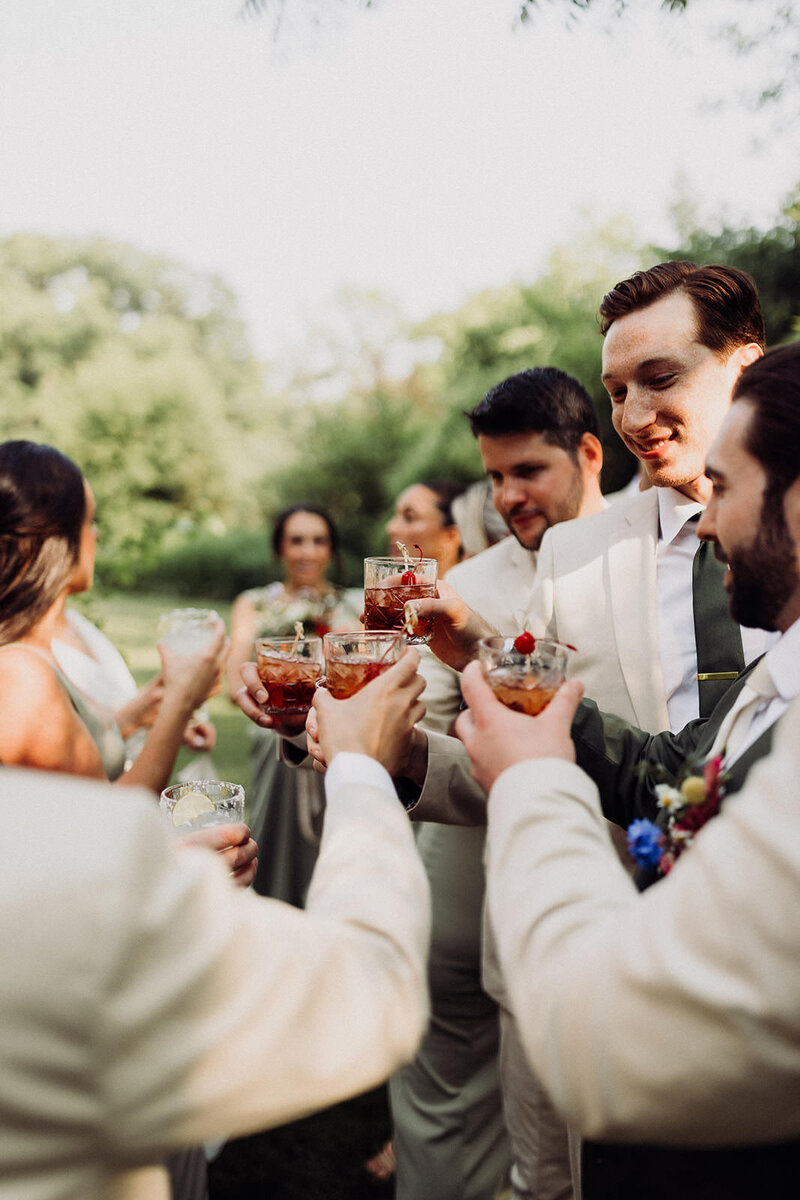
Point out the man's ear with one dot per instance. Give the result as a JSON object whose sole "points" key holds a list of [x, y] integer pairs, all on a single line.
{"points": [[744, 355], [590, 452]]}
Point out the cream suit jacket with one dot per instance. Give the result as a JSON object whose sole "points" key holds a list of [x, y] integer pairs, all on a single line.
{"points": [[497, 584], [145, 1003], [671, 1017], [596, 590]]}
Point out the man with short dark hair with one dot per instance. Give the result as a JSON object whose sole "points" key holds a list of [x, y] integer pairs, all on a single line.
{"points": [[537, 435]]}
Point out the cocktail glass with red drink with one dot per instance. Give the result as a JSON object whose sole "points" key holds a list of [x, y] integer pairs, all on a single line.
{"points": [[353, 660], [289, 669], [524, 681], [389, 584]]}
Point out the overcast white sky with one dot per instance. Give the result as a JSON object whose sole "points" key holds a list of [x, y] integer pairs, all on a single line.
{"points": [[422, 149]]}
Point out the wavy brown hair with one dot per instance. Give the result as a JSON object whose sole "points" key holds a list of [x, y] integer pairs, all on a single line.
{"points": [[42, 509], [726, 304]]}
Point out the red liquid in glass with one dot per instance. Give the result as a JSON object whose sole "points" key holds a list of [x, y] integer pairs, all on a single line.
{"points": [[347, 678], [290, 682], [384, 609]]}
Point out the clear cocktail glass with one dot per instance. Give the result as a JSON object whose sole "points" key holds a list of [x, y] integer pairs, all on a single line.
{"points": [[188, 631], [353, 660], [289, 669], [524, 682], [389, 583], [202, 803]]}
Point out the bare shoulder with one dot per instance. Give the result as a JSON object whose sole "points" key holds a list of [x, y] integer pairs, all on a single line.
{"points": [[27, 676], [39, 726]]}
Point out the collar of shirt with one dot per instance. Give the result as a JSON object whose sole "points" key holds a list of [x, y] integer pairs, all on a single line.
{"points": [[674, 510], [783, 663]]}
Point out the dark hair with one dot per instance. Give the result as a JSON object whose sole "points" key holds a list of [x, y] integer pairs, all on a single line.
{"points": [[541, 400], [725, 302], [42, 509], [279, 527], [772, 385], [445, 491]]}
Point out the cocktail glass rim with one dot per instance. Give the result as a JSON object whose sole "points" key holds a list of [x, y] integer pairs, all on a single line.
{"points": [[291, 640], [504, 643]]}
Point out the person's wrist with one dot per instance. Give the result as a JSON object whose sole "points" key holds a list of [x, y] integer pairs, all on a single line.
{"points": [[415, 766]]}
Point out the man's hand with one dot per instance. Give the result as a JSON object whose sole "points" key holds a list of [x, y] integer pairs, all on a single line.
{"points": [[239, 851], [378, 721], [456, 628], [497, 738]]}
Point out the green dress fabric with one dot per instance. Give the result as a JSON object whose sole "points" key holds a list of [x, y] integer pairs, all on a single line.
{"points": [[285, 805]]}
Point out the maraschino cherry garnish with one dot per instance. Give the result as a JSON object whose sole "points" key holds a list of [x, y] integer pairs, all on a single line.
{"points": [[408, 577], [525, 643]]}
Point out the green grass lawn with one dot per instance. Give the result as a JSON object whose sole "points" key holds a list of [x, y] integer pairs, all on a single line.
{"points": [[130, 620]]}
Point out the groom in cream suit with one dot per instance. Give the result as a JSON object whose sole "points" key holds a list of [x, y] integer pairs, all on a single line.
{"points": [[619, 587], [146, 1004]]}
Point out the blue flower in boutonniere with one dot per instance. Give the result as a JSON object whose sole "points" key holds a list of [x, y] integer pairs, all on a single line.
{"points": [[683, 810], [645, 843]]}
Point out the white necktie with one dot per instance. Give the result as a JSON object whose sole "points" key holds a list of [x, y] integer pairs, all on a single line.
{"points": [[757, 692]]}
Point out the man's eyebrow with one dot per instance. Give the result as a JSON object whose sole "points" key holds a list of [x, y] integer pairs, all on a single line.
{"points": [[647, 364]]}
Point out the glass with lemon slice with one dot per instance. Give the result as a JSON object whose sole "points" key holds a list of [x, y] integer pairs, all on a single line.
{"points": [[201, 803]]}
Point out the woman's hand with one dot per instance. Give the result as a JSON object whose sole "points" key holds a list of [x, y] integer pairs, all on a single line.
{"points": [[141, 711], [250, 698], [194, 677], [200, 736]]}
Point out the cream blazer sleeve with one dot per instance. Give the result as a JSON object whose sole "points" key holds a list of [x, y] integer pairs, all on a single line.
{"points": [[149, 1004], [670, 1017]]}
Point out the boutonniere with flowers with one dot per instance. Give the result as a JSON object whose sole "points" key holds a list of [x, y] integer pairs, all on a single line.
{"points": [[684, 807]]}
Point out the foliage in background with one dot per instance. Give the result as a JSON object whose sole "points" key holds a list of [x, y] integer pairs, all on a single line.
{"points": [[772, 257], [139, 369]]}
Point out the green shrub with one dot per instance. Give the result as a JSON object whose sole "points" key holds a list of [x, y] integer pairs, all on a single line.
{"points": [[215, 566]]}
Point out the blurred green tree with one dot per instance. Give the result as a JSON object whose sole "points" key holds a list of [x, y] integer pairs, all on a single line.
{"points": [[771, 256], [138, 368]]}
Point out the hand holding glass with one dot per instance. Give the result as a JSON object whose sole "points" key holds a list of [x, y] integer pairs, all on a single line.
{"points": [[353, 660], [389, 583], [188, 631], [202, 803], [289, 669], [524, 682]]}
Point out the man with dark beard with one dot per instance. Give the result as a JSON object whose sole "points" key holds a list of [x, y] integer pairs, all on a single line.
{"points": [[734, 1136]]}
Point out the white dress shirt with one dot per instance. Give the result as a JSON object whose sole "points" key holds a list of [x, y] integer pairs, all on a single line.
{"points": [[782, 661], [677, 545]]}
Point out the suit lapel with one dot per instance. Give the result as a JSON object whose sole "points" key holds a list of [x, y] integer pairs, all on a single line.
{"points": [[736, 774], [634, 603]]}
